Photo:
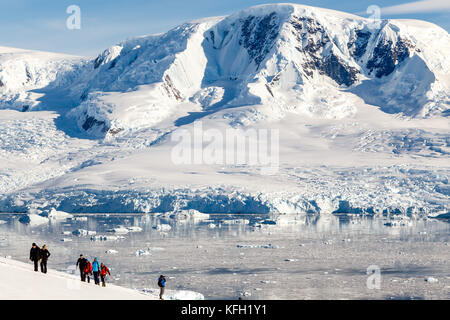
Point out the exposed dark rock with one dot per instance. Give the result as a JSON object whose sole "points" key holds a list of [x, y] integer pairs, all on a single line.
{"points": [[133, 59], [90, 122], [338, 71], [170, 88], [312, 38], [386, 56], [114, 131], [258, 36], [29, 75], [358, 45], [113, 64], [275, 79], [270, 90], [84, 95], [98, 61]]}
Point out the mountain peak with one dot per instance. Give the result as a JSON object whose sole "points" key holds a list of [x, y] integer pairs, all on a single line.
{"points": [[275, 54]]}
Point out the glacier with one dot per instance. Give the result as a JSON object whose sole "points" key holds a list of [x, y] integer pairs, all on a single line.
{"points": [[362, 112]]}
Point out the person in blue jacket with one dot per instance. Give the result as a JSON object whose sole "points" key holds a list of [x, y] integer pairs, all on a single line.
{"points": [[96, 270], [162, 286]]}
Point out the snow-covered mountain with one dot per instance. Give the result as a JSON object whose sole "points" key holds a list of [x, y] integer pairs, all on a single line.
{"points": [[335, 84], [296, 58], [23, 73]]}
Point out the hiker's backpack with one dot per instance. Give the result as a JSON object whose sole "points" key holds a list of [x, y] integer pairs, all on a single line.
{"points": [[104, 271]]}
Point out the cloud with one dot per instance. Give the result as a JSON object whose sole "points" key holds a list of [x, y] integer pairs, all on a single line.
{"points": [[418, 7]]}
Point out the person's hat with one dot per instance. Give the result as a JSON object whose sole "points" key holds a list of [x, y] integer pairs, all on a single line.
{"points": [[34, 244]]}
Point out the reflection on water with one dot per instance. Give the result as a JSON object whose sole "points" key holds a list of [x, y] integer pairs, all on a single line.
{"points": [[217, 225], [146, 247]]}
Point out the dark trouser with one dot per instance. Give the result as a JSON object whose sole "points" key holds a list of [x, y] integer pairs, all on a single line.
{"points": [[36, 265], [96, 279], [161, 292], [82, 275], [44, 266], [88, 276], [103, 279]]}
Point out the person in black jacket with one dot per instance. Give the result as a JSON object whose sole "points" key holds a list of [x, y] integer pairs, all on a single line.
{"points": [[35, 255], [81, 262], [44, 257]]}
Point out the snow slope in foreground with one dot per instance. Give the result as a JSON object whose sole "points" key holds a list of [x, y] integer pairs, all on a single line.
{"points": [[19, 282]]}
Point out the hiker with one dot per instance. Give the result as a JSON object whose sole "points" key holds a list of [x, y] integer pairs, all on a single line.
{"points": [[88, 270], [103, 272], [81, 263], [44, 254], [35, 255], [96, 270], [162, 285]]}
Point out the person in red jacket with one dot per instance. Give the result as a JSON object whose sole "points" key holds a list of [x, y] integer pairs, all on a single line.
{"points": [[103, 272], [88, 270]]}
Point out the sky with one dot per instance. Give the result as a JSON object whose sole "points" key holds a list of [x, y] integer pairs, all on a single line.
{"points": [[42, 24]]}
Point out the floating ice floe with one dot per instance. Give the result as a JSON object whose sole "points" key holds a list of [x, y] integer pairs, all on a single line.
{"points": [[59, 215], [140, 253], [106, 238], [399, 221], [79, 232], [83, 232], [3, 221], [33, 219], [134, 229], [268, 281], [253, 246], [236, 221], [119, 230], [211, 226], [66, 240], [189, 214], [80, 218], [284, 220], [431, 280], [66, 233], [290, 260], [162, 227], [111, 251]]}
